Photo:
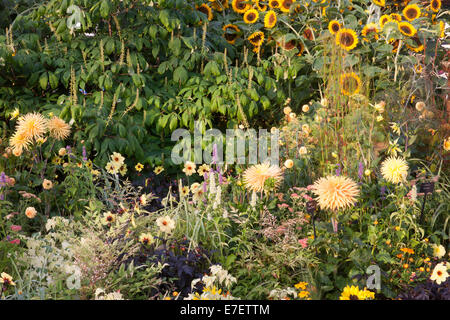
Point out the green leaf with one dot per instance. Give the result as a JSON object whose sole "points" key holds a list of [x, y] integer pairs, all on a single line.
{"points": [[180, 75], [43, 80], [104, 9], [53, 79]]}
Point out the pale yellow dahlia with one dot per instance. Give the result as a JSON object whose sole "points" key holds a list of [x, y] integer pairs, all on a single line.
{"points": [[32, 125], [335, 192], [20, 141], [47, 184], [58, 128], [394, 169], [256, 176]]}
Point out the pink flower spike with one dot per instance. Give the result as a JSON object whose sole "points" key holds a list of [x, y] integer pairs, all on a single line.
{"points": [[16, 228], [15, 241]]}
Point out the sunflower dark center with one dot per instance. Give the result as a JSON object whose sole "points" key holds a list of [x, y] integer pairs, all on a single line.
{"points": [[271, 19], [411, 13], [240, 4], [251, 16], [287, 4], [353, 297], [256, 38], [350, 84], [347, 39], [406, 29], [308, 34], [335, 27], [290, 45], [203, 10], [230, 36]]}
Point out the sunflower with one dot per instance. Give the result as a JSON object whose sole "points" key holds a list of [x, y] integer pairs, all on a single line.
{"points": [[380, 3], [334, 26], [411, 12], [350, 83], [256, 38], [231, 33], [347, 39], [274, 4], [394, 169], [240, 6], [335, 192], [441, 29], [32, 125], [300, 48], [251, 16], [418, 47], [204, 8], [219, 5], [259, 6], [256, 176], [395, 44], [407, 28], [270, 19], [354, 293], [396, 17], [288, 45], [435, 5], [308, 34], [58, 128], [370, 28], [384, 19], [286, 5]]}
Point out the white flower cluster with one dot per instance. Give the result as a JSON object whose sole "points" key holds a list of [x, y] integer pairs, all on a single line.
{"points": [[222, 276], [100, 294], [218, 277], [48, 258], [283, 294]]}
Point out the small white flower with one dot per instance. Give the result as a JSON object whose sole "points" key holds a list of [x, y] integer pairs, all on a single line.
{"points": [[165, 224], [438, 250]]}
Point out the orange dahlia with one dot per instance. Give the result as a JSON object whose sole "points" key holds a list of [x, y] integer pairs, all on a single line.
{"points": [[335, 192]]}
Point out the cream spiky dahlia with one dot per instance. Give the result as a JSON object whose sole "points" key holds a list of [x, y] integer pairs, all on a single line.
{"points": [[394, 169], [32, 125], [20, 141], [58, 128], [335, 192], [256, 176]]}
